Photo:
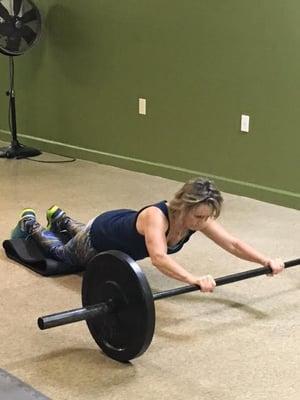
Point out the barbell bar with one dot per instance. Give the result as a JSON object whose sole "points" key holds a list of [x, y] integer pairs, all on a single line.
{"points": [[118, 304], [224, 280]]}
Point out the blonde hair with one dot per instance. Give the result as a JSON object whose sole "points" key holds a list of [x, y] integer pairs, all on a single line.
{"points": [[195, 192]]}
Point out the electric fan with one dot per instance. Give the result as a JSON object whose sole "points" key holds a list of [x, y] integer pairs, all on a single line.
{"points": [[20, 28]]}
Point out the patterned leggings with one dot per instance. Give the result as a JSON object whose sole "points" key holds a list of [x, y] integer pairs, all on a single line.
{"points": [[77, 251]]}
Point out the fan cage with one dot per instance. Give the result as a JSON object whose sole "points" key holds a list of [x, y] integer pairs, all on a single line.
{"points": [[20, 26]]}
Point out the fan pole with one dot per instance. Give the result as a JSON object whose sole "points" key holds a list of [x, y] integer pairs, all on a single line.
{"points": [[12, 105], [15, 150]]}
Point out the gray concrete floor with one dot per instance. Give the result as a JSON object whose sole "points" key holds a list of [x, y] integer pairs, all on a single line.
{"points": [[12, 388], [241, 342]]}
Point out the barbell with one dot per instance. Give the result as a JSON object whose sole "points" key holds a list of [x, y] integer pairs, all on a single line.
{"points": [[118, 304]]}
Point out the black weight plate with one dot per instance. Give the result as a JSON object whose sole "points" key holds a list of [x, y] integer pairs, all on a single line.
{"points": [[127, 331]]}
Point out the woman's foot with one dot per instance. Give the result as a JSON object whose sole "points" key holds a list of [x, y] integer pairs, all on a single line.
{"points": [[56, 219], [25, 225]]}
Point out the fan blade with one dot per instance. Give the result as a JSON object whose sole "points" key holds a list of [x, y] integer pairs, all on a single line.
{"points": [[17, 6], [13, 43], [28, 34], [6, 29], [4, 13], [29, 16]]}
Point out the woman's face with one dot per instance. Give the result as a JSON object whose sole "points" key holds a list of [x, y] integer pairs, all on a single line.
{"points": [[197, 216]]}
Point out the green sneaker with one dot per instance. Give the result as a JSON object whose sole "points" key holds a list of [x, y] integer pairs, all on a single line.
{"points": [[55, 216], [25, 224]]}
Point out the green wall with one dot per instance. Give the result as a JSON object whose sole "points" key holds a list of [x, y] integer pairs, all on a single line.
{"points": [[199, 63]]}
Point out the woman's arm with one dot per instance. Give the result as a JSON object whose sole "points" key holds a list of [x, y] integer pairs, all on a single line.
{"points": [[153, 225], [238, 248]]}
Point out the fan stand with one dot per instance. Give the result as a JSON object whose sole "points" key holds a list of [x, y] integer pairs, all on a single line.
{"points": [[16, 149]]}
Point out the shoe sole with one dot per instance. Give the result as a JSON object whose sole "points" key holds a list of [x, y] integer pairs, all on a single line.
{"points": [[27, 211], [52, 210]]}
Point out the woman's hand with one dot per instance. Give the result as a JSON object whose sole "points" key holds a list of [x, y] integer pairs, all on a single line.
{"points": [[277, 265], [206, 283]]}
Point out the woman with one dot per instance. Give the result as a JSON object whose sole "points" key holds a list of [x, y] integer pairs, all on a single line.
{"points": [[156, 230]]}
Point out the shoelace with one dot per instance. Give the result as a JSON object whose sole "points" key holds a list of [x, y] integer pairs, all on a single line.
{"points": [[27, 223]]}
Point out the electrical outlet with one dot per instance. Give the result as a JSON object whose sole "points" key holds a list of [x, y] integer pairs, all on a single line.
{"points": [[142, 106], [245, 121]]}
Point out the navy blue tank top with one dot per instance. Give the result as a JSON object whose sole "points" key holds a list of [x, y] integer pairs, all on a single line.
{"points": [[116, 230]]}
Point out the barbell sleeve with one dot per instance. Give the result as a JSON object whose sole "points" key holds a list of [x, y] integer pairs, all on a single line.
{"points": [[224, 280], [68, 317]]}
